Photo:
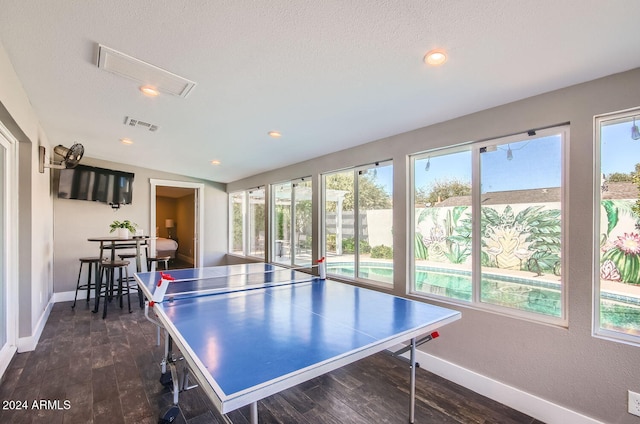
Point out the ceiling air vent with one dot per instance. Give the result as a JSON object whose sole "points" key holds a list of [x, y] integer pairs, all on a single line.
{"points": [[144, 73], [140, 124]]}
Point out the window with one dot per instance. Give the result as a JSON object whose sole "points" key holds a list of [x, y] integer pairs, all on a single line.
{"points": [[617, 241], [247, 222], [358, 216], [236, 220], [487, 224], [442, 239], [291, 222]]}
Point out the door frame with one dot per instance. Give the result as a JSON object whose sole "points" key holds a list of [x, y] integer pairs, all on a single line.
{"points": [[10, 250], [198, 218]]}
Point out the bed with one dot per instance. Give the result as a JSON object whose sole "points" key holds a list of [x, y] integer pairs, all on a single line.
{"points": [[166, 247]]}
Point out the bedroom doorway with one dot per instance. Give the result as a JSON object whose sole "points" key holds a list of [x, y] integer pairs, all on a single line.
{"points": [[176, 216]]}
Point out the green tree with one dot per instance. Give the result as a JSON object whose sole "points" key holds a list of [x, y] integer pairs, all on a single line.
{"points": [[620, 177], [371, 194], [635, 178], [237, 226], [421, 197], [439, 190], [303, 219]]}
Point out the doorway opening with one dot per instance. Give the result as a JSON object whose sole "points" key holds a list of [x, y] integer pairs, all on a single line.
{"points": [[176, 215], [8, 247]]}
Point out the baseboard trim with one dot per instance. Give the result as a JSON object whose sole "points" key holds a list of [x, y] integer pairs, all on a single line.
{"points": [[27, 344], [6, 355], [68, 296], [185, 258], [517, 399]]}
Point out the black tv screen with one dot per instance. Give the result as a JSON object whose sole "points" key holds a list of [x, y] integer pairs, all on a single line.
{"points": [[96, 184]]}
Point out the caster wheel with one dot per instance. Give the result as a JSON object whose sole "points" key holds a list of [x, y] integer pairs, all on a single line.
{"points": [[166, 380], [170, 415]]}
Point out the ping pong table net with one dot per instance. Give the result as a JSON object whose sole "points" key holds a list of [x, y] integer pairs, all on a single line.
{"points": [[169, 288]]}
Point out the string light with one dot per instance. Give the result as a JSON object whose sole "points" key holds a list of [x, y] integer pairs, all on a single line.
{"points": [[635, 132]]}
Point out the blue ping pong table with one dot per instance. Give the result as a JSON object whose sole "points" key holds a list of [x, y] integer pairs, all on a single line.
{"points": [[249, 331]]}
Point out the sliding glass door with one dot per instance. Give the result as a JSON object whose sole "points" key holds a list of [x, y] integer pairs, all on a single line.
{"points": [[291, 222]]}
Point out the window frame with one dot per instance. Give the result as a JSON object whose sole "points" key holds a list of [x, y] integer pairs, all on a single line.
{"points": [[356, 224], [293, 249], [476, 205], [231, 227], [246, 224], [597, 331]]}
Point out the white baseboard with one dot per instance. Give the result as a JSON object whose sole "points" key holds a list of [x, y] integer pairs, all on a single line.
{"points": [[6, 354], [69, 295], [517, 399], [27, 344], [185, 258]]}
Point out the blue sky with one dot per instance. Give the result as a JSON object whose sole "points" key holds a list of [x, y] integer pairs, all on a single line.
{"points": [[535, 163], [618, 151]]}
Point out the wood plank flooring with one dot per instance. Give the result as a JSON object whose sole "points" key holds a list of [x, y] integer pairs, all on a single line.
{"points": [[108, 371]]}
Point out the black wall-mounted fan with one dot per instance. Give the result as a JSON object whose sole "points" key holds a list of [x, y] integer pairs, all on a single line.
{"points": [[70, 157]]}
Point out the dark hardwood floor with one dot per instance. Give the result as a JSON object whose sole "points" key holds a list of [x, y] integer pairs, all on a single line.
{"points": [[177, 263], [108, 372]]}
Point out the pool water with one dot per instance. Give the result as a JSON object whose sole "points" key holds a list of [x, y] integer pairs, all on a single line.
{"points": [[519, 293], [538, 296], [371, 271]]}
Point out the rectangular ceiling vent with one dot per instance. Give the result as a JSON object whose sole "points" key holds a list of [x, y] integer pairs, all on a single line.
{"points": [[144, 73], [140, 124]]}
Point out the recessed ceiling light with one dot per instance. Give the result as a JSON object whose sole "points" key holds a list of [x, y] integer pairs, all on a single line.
{"points": [[435, 57], [275, 134], [149, 90], [215, 162], [126, 141]]}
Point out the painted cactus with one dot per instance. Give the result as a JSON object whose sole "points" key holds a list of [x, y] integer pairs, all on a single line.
{"points": [[625, 256]]}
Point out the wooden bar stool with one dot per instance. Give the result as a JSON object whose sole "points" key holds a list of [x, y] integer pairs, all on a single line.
{"points": [[131, 281], [158, 260], [93, 264], [108, 270]]}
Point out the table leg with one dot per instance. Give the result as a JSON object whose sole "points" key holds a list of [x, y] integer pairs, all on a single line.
{"points": [[96, 286], [113, 272], [412, 407], [138, 264], [98, 280], [254, 413], [96, 300]]}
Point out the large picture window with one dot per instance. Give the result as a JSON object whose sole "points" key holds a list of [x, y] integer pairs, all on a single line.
{"points": [[358, 216], [617, 187], [247, 223], [291, 222], [487, 221], [442, 239]]}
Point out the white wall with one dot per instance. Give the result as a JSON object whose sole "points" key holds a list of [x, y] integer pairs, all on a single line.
{"points": [[38, 275], [77, 220], [35, 225], [42, 240], [565, 366]]}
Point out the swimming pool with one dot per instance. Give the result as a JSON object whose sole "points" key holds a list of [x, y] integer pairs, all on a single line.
{"points": [[528, 294]]}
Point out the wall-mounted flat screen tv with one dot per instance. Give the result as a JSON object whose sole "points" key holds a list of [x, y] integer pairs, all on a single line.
{"points": [[96, 184]]}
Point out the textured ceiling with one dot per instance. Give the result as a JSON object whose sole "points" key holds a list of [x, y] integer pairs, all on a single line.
{"points": [[327, 74]]}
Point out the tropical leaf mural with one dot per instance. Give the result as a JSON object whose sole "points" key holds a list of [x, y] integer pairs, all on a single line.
{"points": [[527, 240]]}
